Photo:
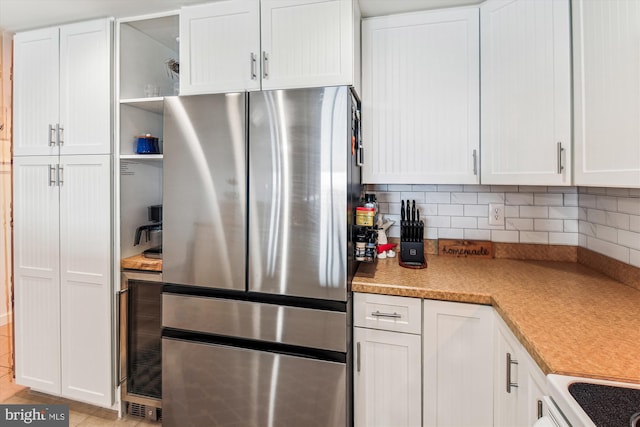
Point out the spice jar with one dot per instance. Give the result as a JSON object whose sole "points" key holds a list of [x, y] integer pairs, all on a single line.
{"points": [[366, 212], [361, 244]]}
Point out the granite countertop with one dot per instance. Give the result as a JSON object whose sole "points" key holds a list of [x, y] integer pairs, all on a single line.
{"points": [[572, 319]]}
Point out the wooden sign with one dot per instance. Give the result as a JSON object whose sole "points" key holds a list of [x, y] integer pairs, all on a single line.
{"points": [[465, 248]]}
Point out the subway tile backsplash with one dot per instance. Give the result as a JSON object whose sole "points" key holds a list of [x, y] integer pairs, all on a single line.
{"points": [[605, 220], [609, 222]]}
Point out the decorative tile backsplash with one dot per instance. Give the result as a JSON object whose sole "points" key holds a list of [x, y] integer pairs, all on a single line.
{"points": [[605, 220], [609, 222]]}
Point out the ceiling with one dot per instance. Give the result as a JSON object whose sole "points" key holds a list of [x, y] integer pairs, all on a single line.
{"points": [[17, 15]]}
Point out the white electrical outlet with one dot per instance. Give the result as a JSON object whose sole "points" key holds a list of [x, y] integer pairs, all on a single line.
{"points": [[496, 214]]}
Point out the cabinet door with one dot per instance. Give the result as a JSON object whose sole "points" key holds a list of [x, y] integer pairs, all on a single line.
{"points": [[387, 388], [606, 75], [507, 388], [35, 92], [220, 47], [535, 388], [420, 84], [85, 87], [306, 43], [526, 92], [37, 272], [85, 264], [458, 361]]}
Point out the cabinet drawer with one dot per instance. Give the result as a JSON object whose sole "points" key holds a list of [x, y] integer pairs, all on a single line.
{"points": [[400, 314]]}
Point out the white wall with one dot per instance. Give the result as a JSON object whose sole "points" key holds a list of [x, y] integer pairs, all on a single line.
{"points": [[5, 180], [605, 220]]}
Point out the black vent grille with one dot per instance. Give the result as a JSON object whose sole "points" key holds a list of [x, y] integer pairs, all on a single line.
{"points": [[144, 411]]}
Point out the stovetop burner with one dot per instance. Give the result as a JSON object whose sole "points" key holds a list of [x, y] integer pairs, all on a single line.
{"points": [[607, 406]]}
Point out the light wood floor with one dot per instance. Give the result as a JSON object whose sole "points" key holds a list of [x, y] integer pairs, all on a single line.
{"points": [[80, 414]]}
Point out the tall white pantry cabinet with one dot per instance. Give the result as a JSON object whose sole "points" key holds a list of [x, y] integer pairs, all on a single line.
{"points": [[62, 207]]}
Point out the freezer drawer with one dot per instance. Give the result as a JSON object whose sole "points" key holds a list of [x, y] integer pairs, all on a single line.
{"points": [[208, 384], [321, 329]]}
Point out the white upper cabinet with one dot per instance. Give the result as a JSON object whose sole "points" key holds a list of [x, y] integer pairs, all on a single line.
{"points": [[62, 90], [420, 95], [307, 43], [35, 85], [526, 92], [220, 47], [606, 62], [237, 45]]}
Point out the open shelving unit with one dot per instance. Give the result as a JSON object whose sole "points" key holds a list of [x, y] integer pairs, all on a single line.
{"points": [[144, 45]]}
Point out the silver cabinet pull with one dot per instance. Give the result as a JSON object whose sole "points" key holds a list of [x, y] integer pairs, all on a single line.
{"points": [[358, 357], [60, 172], [560, 150], [393, 315], [52, 176], [253, 66], [510, 362], [60, 132], [475, 162], [540, 414], [52, 135], [265, 65]]}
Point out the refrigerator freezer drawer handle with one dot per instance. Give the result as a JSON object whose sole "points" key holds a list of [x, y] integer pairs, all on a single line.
{"points": [[393, 315]]}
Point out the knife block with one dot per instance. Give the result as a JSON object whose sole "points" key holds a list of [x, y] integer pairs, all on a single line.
{"points": [[411, 248], [412, 255]]}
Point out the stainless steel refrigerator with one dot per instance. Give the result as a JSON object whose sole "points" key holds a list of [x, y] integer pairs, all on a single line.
{"points": [[259, 197]]}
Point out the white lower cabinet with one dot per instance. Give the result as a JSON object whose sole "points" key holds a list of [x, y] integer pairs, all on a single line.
{"points": [[519, 382], [387, 363], [62, 265], [439, 363], [457, 364]]}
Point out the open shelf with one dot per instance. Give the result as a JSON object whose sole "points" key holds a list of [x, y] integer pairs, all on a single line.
{"points": [[153, 105], [141, 156]]}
